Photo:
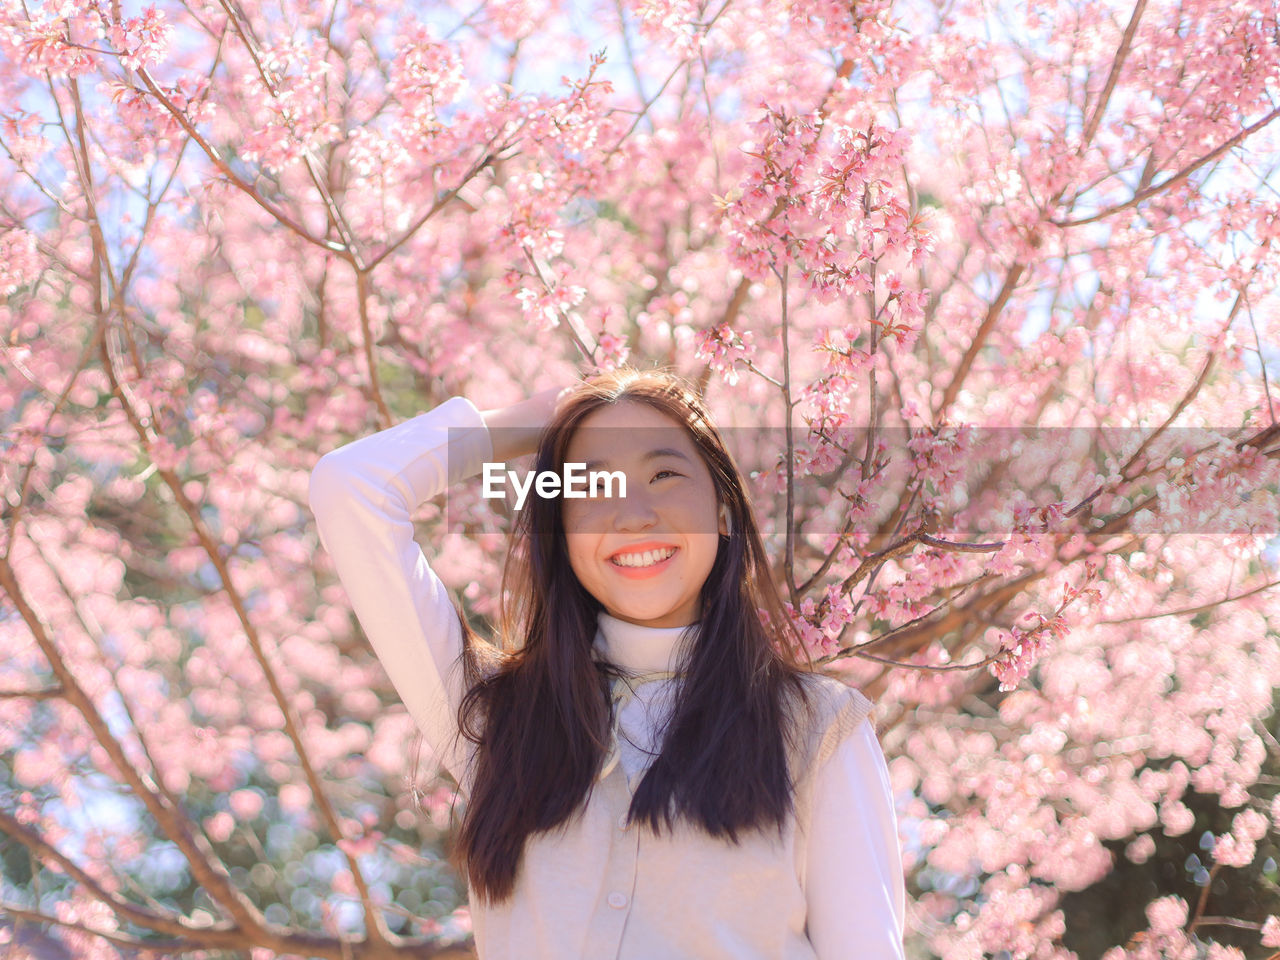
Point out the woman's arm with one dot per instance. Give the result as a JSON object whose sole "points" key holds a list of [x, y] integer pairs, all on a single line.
{"points": [[854, 885], [363, 495]]}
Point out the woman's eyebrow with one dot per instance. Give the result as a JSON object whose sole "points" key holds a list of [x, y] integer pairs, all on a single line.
{"points": [[651, 455]]}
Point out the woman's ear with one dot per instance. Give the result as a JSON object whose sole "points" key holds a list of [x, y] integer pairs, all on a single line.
{"points": [[726, 521]]}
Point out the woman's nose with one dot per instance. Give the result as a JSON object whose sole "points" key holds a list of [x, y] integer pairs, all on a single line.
{"points": [[634, 511]]}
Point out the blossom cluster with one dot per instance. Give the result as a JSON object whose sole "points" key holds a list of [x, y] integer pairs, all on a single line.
{"points": [[294, 114], [426, 74], [543, 308], [20, 260], [723, 348], [141, 41]]}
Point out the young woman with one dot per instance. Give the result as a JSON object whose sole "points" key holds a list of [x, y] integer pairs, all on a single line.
{"points": [[650, 771]]}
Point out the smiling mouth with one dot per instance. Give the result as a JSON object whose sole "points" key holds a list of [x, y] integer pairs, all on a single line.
{"points": [[640, 560]]}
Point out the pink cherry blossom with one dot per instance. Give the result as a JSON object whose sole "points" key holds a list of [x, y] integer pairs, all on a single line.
{"points": [[1271, 931]]}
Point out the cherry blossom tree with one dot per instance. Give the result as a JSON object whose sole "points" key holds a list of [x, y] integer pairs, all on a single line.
{"points": [[1000, 279]]}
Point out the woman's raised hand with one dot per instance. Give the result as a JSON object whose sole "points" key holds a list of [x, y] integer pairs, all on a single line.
{"points": [[515, 430]]}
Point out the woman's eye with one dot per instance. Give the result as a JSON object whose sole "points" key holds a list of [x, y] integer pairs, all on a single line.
{"points": [[672, 472]]}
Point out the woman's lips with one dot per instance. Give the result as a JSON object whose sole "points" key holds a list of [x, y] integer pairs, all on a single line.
{"points": [[644, 573]]}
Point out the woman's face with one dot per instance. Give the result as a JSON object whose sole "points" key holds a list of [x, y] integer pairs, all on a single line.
{"points": [[670, 509]]}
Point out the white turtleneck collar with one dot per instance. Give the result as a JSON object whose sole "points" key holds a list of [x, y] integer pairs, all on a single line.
{"points": [[636, 648]]}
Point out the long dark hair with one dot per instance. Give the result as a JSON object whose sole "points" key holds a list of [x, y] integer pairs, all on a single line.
{"points": [[539, 712]]}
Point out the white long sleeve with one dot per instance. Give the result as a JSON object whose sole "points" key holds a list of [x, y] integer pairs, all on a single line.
{"points": [[363, 495], [854, 885]]}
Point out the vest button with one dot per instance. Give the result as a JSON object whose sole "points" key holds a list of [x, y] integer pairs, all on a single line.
{"points": [[618, 900]]}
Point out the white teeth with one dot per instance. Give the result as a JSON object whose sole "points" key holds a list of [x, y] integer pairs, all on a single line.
{"points": [[646, 559]]}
